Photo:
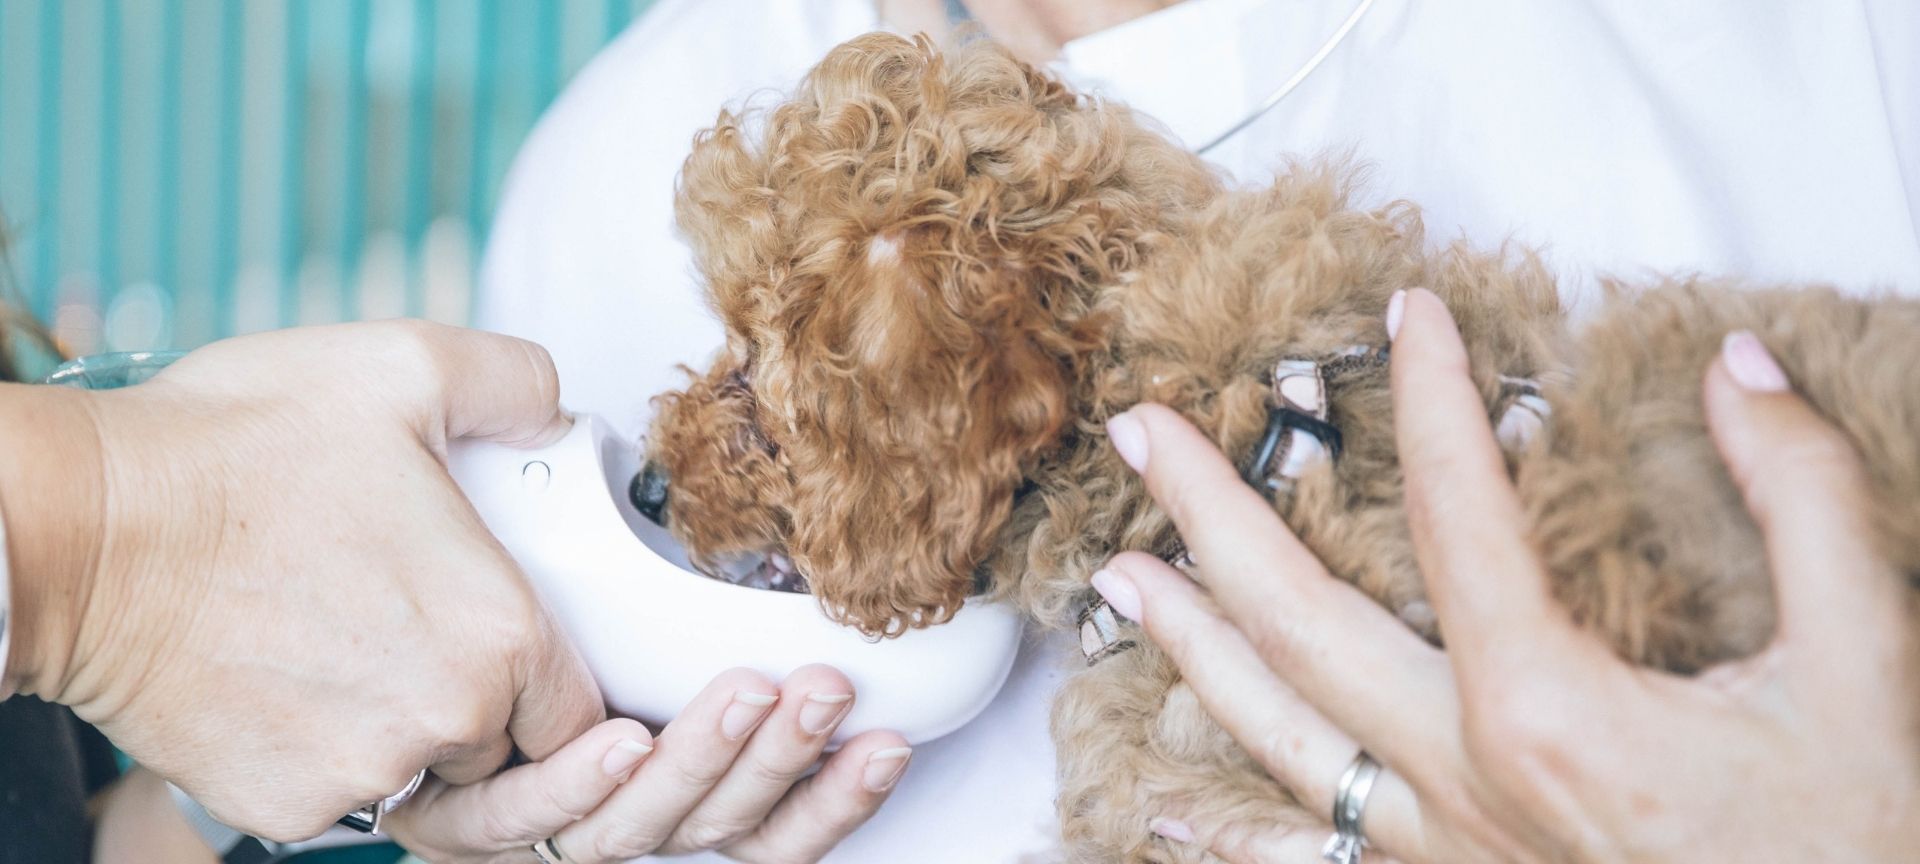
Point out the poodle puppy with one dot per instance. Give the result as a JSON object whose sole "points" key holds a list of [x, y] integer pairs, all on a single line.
{"points": [[940, 274], [907, 263]]}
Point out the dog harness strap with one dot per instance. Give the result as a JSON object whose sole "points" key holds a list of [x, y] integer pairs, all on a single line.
{"points": [[1523, 411], [1300, 434], [1100, 633]]}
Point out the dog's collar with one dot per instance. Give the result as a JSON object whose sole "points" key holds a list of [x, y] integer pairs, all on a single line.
{"points": [[1299, 432], [1299, 435], [1101, 632]]}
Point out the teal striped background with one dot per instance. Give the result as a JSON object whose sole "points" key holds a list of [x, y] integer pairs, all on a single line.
{"points": [[173, 171]]}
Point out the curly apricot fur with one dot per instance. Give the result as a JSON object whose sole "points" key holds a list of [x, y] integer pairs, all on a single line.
{"points": [[905, 255], [940, 275]]}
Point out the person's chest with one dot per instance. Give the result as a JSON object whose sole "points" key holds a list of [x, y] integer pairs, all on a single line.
{"points": [[1721, 136]]}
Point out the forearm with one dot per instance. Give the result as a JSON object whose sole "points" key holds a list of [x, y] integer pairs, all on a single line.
{"points": [[51, 497]]}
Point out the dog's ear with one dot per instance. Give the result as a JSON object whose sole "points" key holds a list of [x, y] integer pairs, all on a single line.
{"points": [[906, 256], [726, 211], [918, 398]]}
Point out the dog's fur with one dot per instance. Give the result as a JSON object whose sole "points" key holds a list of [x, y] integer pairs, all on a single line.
{"points": [[940, 274]]}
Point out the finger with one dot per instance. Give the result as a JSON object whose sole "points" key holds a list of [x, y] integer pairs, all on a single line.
{"points": [[1806, 487], [557, 698], [1313, 630], [1294, 742], [824, 809], [475, 762], [525, 804], [693, 753], [813, 701], [1469, 533], [496, 387]]}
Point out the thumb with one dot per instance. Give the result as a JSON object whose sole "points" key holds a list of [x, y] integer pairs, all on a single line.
{"points": [[523, 805], [497, 387], [1807, 489]]}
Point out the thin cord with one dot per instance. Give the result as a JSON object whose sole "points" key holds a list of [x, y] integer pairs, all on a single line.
{"points": [[1340, 35]]}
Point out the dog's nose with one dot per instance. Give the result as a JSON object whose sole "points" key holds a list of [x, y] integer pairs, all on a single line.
{"points": [[649, 493]]}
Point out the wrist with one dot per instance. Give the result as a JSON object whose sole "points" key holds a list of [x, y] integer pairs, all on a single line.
{"points": [[51, 501]]}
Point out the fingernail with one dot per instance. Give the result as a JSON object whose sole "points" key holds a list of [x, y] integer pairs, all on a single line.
{"points": [[1172, 829], [1119, 593], [823, 711], [884, 768], [1396, 307], [623, 755], [746, 712], [1129, 438], [1751, 366]]}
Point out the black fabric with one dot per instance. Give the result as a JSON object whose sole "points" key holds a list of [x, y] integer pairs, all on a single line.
{"points": [[249, 851], [50, 764]]}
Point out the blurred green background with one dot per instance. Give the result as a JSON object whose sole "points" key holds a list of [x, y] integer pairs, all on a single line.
{"points": [[174, 171]]}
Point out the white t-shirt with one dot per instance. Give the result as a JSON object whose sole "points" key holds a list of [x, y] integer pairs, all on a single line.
{"points": [[1770, 138]]}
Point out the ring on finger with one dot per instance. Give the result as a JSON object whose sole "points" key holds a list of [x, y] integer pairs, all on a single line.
{"points": [[1349, 841], [549, 851]]}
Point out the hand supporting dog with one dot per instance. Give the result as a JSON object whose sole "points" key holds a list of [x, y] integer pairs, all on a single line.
{"points": [[1526, 739], [727, 774]]}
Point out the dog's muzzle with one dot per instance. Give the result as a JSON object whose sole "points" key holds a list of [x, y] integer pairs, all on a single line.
{"points": [[649, 493]]}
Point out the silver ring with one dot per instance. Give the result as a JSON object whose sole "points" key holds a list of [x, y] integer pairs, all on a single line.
{"points": [[366, 820], [549, 851], [1349, 841]]}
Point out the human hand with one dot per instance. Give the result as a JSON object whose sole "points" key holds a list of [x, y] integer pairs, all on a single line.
{"points": [[254, 574], [726, 774], [1526, 739]]}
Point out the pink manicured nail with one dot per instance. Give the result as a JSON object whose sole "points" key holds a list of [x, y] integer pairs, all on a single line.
{"points": [[623, 755], [1129, 439], [1751, 366], [1119, 593], [1396, 306], [746, 712], [884, 768], [1172, 829], [823, 711]]}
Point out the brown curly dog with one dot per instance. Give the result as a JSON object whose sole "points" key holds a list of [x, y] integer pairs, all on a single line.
{"points": [[940, 274]]}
